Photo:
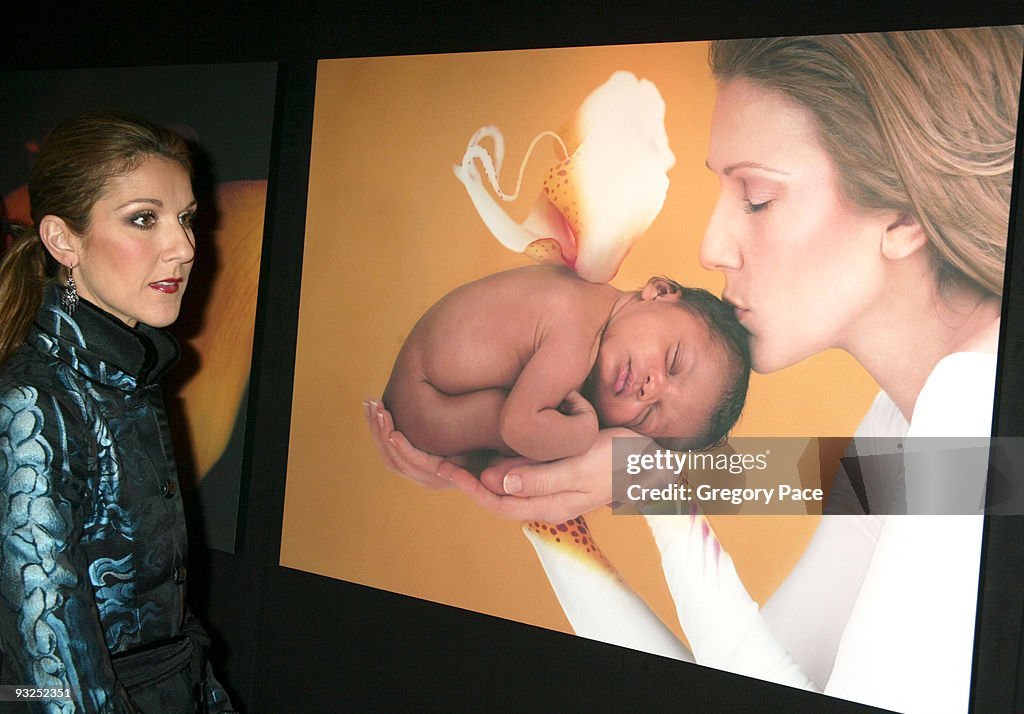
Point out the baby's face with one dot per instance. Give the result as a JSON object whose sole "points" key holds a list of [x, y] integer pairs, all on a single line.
{"points": [[659, 371]]}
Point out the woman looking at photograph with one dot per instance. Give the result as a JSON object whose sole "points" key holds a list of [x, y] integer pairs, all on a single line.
{"points": [[93, 567]]}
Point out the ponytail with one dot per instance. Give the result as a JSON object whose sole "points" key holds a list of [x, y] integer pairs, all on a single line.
{"points": [[23, 275]]}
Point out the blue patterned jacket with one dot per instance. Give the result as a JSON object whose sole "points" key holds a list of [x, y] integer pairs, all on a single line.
{"points": [[93, 559]]}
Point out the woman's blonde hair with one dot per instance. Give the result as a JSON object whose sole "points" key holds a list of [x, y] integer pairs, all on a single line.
{"points": [[71, 173], [919, 122]]}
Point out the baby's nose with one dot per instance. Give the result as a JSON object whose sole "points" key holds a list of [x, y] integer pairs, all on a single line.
{"points": [[648, 387]]}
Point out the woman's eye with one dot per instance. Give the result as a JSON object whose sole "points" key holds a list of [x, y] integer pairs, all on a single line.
{"points": [[751, 207], [187, 219], [145, 219]]}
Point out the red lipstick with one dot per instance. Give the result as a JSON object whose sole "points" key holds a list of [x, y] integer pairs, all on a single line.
{"points": [[168, 286]]}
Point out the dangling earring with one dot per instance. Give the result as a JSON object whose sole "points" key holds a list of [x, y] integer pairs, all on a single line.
{"points": [[69, 298]]}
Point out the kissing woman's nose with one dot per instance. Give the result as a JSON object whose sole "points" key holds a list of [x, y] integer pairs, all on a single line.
{"points": [[719, 250]]}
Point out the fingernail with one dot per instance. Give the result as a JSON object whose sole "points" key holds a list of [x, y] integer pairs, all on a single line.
{"points": [[380, 419], [512, 483]]}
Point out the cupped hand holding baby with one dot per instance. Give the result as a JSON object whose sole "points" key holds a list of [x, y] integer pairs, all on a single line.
{"points": [[514, 487], [398, 454]]}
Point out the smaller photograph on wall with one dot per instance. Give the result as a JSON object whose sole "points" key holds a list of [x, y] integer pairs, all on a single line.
{"points": [[225, 112]]}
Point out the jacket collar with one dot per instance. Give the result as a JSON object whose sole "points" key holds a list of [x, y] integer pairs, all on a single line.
{"points": [[101, 347]]}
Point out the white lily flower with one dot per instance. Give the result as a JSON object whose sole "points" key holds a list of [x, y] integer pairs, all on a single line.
{"points": [[722, 622], [595, 598], [603, 194]]}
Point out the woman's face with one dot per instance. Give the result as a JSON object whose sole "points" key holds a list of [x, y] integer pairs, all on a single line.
{"points": [[135, 259], [803, 266]]}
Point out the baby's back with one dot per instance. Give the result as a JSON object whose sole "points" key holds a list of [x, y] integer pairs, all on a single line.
{"points": [[480, 336]]}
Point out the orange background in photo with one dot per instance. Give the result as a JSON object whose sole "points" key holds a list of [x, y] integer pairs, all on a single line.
{"points": [[390, 230]]}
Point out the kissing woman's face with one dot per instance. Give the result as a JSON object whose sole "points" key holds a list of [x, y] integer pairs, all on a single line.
{"points": [[803, 265]]}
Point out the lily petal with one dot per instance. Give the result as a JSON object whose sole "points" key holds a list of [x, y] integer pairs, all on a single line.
{"points": [[617, 172], [595, 598], [600, 197], [720, 619]]}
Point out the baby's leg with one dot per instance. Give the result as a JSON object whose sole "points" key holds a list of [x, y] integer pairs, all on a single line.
{"points": [[445, 424]]}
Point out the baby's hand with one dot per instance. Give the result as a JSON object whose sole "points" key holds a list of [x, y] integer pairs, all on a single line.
{"points": [[576, 404]]}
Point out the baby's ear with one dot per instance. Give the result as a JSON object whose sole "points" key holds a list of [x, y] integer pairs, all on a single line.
{"points": [[657, 288]]}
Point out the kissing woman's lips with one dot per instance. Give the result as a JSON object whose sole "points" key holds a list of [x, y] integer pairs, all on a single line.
{"points": [[739, 310]]}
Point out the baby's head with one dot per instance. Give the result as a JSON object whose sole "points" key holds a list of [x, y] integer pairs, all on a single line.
{"points": [[673, 364]]}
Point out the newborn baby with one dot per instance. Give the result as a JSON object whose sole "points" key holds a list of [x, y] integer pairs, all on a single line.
{"points": [[534, 361]]}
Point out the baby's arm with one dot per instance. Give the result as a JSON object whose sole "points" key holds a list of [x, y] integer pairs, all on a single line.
{"points": [[531, 423]]}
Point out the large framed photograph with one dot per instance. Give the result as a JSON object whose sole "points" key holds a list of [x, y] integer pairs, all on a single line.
{"points": [[871, 307]]}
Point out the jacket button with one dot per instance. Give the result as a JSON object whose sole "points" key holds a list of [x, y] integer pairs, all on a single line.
{"points": [[180, 575], [168, 488]]}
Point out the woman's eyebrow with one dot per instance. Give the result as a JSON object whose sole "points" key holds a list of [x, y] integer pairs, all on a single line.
{"points": [[155, 201], [747, 165]]}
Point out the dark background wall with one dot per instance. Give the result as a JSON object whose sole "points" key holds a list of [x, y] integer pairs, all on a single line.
{"points": [[287, 641]]}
